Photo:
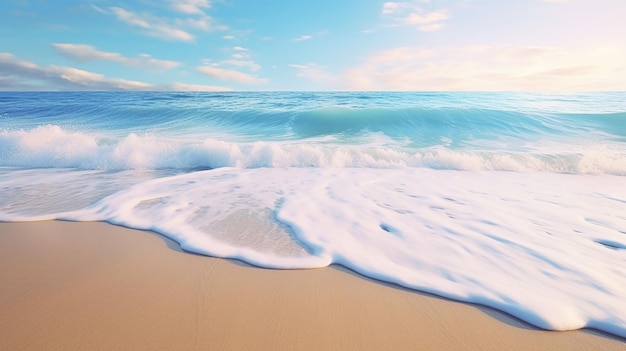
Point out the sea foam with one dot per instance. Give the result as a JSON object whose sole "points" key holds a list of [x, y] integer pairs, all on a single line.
{"points": [[538, 246], [52, 146]]}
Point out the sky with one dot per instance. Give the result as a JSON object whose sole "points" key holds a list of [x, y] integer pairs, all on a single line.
{"points": [[313, 45]]}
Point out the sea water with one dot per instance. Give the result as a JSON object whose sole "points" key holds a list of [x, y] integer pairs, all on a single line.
{"points": [[512, 200]]}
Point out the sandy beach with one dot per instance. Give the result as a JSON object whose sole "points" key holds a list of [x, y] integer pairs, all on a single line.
{"points": [[95, 286]]}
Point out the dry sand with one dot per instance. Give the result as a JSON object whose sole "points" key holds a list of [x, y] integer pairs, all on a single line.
{"points": [[94, 286]]}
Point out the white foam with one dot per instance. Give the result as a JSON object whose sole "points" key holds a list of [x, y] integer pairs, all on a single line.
{"points": [[42, 193], [52, 146], [547, 248]]}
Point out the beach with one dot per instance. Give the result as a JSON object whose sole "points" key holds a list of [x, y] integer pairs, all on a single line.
{"points": [[92, 285]]}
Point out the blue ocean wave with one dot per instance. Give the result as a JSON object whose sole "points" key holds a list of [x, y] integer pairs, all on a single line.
{"points": [[511, 132]]}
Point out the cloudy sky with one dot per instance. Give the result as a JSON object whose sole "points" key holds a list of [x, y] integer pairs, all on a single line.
{"points": [[417, 45]]}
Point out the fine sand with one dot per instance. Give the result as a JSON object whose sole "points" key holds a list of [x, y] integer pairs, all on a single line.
{"points": [[94, 286]]}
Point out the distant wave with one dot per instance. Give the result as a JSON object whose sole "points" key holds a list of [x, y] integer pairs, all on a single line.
{"points": [[52, 146], [422, 118]]}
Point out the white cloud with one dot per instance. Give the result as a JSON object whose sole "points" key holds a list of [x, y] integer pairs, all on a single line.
{"points": [[193, 87], [17, 74], [62, 77], [229, 37], [403, 13], [203, 23], [167, 27], [191, 6], [155, 26], [229, 69], [251, 65], [130, 17], [491, 68], [310, 36], [303, 37], [87, 53], [230, 75], [101, 10], [391, 7], [426, 18], [314, 72]]}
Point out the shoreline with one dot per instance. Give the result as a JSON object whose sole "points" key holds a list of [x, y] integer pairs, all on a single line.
{"points": [[93, 285]]}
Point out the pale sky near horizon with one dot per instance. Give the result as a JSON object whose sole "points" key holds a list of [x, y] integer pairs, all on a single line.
{"points": [[415, 45]]}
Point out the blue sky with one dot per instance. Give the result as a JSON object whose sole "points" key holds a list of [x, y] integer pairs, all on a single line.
{"points": [[416, 45]]}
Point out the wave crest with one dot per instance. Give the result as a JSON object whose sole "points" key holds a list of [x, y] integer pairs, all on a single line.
{"points": [[51, 146]]}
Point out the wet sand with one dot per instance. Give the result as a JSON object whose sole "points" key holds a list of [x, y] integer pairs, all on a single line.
{"points": [[95, 286]]}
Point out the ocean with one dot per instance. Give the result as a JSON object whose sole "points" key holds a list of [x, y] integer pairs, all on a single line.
{"points": [[511, 200]]}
